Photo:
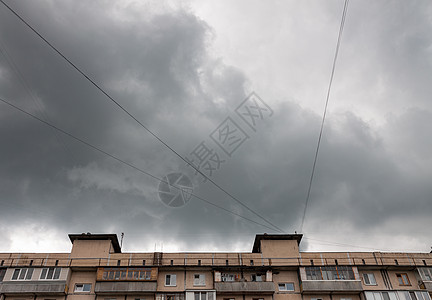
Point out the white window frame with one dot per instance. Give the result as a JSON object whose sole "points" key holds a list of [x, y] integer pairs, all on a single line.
{"points": [[283, 286], [202, 295], [172, 280], [23, 274], [228, 277], [81, 287], [257, 278], [425, 273], [200, 280], [369, 279], [55, 275]]}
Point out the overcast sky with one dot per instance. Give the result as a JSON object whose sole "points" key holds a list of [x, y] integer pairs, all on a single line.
{"points": [[183, 68]]}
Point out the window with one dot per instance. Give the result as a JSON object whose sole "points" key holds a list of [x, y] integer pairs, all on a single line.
{"points": [[50, 273], [345, 298], [288, 286], [229, 277], [2, 274], [425, 274], [140, 299], [251, 262], [170, 280], [82, 287], [399, 295], [385, 295], [200, 296], [110, 299], [199, 262], [316, 299], [256, 277], [403, 279], [22, 274], [369, 279], [330, 273], [199, 279], [123, 274]]}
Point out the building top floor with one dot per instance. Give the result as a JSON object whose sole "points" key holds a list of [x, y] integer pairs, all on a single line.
{"points": [[103, 250]]}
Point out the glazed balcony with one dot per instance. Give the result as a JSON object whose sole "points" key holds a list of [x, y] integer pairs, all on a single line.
{"points": [[245, 287], [32, 287]]}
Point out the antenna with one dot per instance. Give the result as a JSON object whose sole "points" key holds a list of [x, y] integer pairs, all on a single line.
{"points": [[121, 241]]}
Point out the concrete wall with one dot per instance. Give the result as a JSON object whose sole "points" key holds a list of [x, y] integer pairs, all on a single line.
{"points": [[208, 279], [395, 283], [279, 248], [91, 249], [180, 281], [378, 278], [79, 277]]}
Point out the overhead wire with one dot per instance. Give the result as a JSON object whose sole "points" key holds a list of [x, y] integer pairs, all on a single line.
{"points": [[37, 102], [342, 25], [123, 161], [136, 120]]}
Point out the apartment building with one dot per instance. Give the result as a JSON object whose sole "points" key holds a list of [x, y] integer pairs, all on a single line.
{"points": [[275, 269]]}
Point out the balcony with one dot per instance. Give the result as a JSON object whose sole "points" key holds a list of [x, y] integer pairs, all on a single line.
{"points": [[245, 287], [327, 286], [125, 287], [427, 285], [32, 287]]}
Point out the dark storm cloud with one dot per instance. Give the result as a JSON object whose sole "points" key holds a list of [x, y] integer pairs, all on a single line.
{"points": [[156, 61]]}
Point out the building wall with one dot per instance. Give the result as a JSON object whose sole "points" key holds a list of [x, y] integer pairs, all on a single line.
{"points": [[208, 279], [279, 261], [91, 249], [279, 248], [82, 277], [180, 281]]}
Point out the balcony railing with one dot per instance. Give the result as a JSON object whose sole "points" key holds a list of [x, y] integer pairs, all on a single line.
{"points": [[244, 287], [32, 287], [125, 287], [323, 286]]}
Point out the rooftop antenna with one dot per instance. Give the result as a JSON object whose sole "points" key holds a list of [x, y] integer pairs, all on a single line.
{"points": [[121, 241]]}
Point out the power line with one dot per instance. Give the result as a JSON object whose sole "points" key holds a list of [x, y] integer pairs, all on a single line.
{"points": [[124, 162], [342, 24], [38, 104], [135, 119]]}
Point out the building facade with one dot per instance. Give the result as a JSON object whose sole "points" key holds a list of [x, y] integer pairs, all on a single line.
{"points": [[96, 269]]}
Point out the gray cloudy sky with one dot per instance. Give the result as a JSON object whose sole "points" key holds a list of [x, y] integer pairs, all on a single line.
{"points": [[182, 68]]}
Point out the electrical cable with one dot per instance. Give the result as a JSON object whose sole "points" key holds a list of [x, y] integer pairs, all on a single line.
{"points": [[38, 104], [342, 24], [124, 162], [136, 120]]}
